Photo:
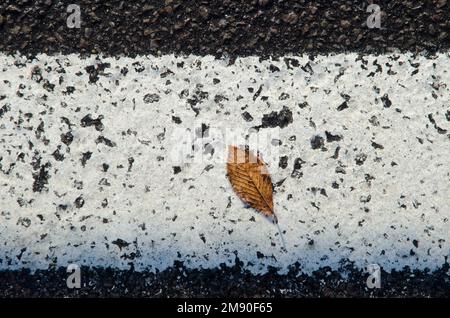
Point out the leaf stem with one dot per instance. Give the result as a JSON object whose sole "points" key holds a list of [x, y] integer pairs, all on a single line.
{"points": [[281, 234]]}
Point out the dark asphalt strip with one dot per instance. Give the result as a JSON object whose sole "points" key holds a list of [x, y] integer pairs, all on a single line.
{"points": [[236, 28], [224, 282]]}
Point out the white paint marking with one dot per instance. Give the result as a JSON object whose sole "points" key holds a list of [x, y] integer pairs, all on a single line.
{"points": [[399, 194]]}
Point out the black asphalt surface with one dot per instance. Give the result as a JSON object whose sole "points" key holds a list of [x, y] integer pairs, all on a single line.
{"points": [[236, 282], [223, 27]]}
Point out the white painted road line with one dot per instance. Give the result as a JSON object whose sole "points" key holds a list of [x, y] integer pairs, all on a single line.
{"points": [[87, 175]]}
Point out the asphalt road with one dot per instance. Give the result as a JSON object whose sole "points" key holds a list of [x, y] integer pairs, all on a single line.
{"points": [[93, 120]]}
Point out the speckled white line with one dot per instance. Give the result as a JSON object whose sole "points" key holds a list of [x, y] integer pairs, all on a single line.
{"points": [[385, 196]]}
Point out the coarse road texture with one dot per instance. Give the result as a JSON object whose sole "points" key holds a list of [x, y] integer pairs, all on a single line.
{"points": [[237, 28], [94, 148]]}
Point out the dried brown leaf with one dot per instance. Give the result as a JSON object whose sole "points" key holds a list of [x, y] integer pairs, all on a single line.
{"points": [[250, 180]]}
